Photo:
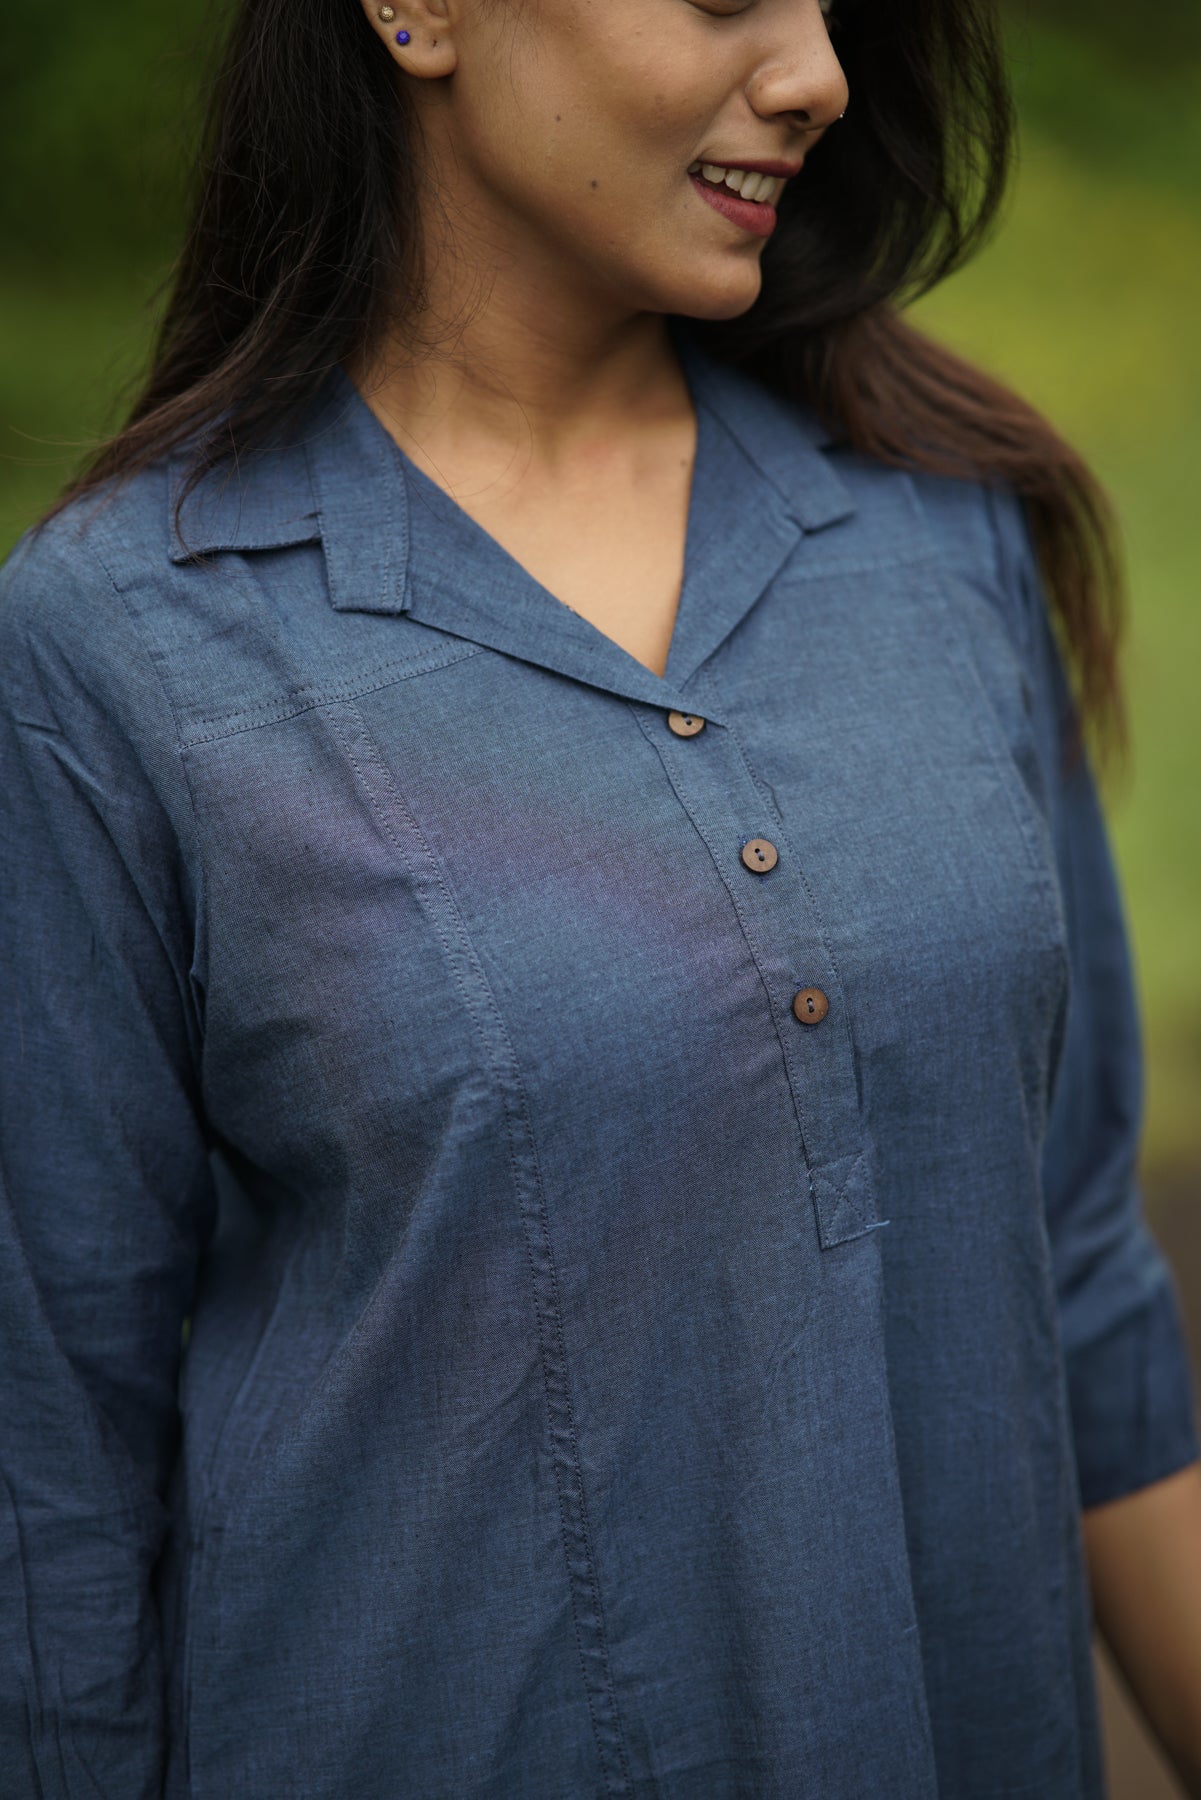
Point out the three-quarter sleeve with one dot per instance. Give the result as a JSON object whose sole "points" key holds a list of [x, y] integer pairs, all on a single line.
{"points": [[1129, 1375], [105, 1195]]}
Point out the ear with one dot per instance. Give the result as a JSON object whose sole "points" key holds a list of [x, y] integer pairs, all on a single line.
{"points": [[429, 50]]}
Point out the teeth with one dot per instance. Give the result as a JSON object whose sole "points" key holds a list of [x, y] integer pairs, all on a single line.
{"points": [[748, 185]]}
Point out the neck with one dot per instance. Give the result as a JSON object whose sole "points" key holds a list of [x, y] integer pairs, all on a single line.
{"points": [[543, 380], [520, 346]]}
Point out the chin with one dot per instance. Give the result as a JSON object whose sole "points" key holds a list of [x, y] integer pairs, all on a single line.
{"points": [[727, 300], [719, 288]]}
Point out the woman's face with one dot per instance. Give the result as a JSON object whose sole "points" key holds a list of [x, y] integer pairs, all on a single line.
{"points": [[560, 135]]}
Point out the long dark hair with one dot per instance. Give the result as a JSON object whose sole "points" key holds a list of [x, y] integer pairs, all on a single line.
{"points": [[303, 249]]}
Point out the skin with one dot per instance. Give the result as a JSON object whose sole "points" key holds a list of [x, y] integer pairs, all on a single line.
{"points": [[555, 140], [1144, 1565]]}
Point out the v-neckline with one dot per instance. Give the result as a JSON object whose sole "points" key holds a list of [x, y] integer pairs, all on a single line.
{"points": [[476, 536], [758, 482]]}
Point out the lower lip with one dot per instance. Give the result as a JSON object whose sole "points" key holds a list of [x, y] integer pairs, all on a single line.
{"points": [[753, 215]]}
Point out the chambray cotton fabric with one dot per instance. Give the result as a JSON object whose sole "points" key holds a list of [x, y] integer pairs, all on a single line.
{"points": [[598, 1382]]}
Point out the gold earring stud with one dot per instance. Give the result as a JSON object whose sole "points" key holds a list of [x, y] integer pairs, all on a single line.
{"points": [[387, 14]]}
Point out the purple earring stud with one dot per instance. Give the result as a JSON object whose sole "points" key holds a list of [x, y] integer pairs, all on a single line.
{"points": [[402, 37]]}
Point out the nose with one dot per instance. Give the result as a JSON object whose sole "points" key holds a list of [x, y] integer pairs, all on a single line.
{"points": [[800, 77]]}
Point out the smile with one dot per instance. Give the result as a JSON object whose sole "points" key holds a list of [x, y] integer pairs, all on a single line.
{"points": [[763, 190], [746, 197]]}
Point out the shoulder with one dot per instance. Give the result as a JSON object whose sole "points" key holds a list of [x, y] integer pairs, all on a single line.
{"points": [[976, 531], [89, 740], [980, 527], [62, 585], [155, 591], [869, 511], [977, 526], [73, 658]]}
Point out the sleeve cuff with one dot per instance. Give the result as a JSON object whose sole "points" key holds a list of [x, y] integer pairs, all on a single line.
{"points": [[1132, 1398]]}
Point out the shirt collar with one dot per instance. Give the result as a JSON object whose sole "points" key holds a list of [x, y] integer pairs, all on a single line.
{"points": [[761, 483], [333, 481], [785, 440]]}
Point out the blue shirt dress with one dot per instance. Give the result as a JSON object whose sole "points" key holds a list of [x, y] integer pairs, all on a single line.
{"points": [[647, 1164]]}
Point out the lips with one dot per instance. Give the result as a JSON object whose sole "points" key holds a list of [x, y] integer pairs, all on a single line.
{"points": [[758, 217], [745, 193]]}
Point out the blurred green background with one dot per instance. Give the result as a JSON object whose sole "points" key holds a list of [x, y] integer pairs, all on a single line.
{"points": [[1088, 300]]}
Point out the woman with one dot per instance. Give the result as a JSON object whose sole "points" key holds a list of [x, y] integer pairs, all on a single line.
{"points": [[570, 1114]]}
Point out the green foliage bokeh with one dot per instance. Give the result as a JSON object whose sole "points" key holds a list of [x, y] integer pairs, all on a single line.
{"points": [[95, 114], [1087, 300]]}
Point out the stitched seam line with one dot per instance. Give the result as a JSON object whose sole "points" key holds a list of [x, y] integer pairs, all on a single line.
{"points": [[548, 1312], [315, 697], [817, 571], [992, 737], [777, 1022], [972, 687], [202, 884], [840, 1199]]}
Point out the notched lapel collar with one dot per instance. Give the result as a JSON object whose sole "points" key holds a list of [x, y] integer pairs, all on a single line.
{"points": [[334, 480]]}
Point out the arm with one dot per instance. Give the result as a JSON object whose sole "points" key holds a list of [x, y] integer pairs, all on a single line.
{"points": [[1144, 1564], [1127, 1364], [104, 1188]]}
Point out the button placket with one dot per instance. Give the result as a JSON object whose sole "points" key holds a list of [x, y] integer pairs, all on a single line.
{"points": [[811, 1005], [783, 934]]}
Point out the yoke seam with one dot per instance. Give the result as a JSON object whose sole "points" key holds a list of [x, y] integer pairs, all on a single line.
{"points": [[393, 672]]}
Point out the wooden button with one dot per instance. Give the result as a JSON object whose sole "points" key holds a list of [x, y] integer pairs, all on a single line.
{"points": [[811, 1006], [685, 724], [760, 855]]}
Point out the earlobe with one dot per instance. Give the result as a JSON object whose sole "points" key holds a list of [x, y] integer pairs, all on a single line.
{"points": [[417, 34]]}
